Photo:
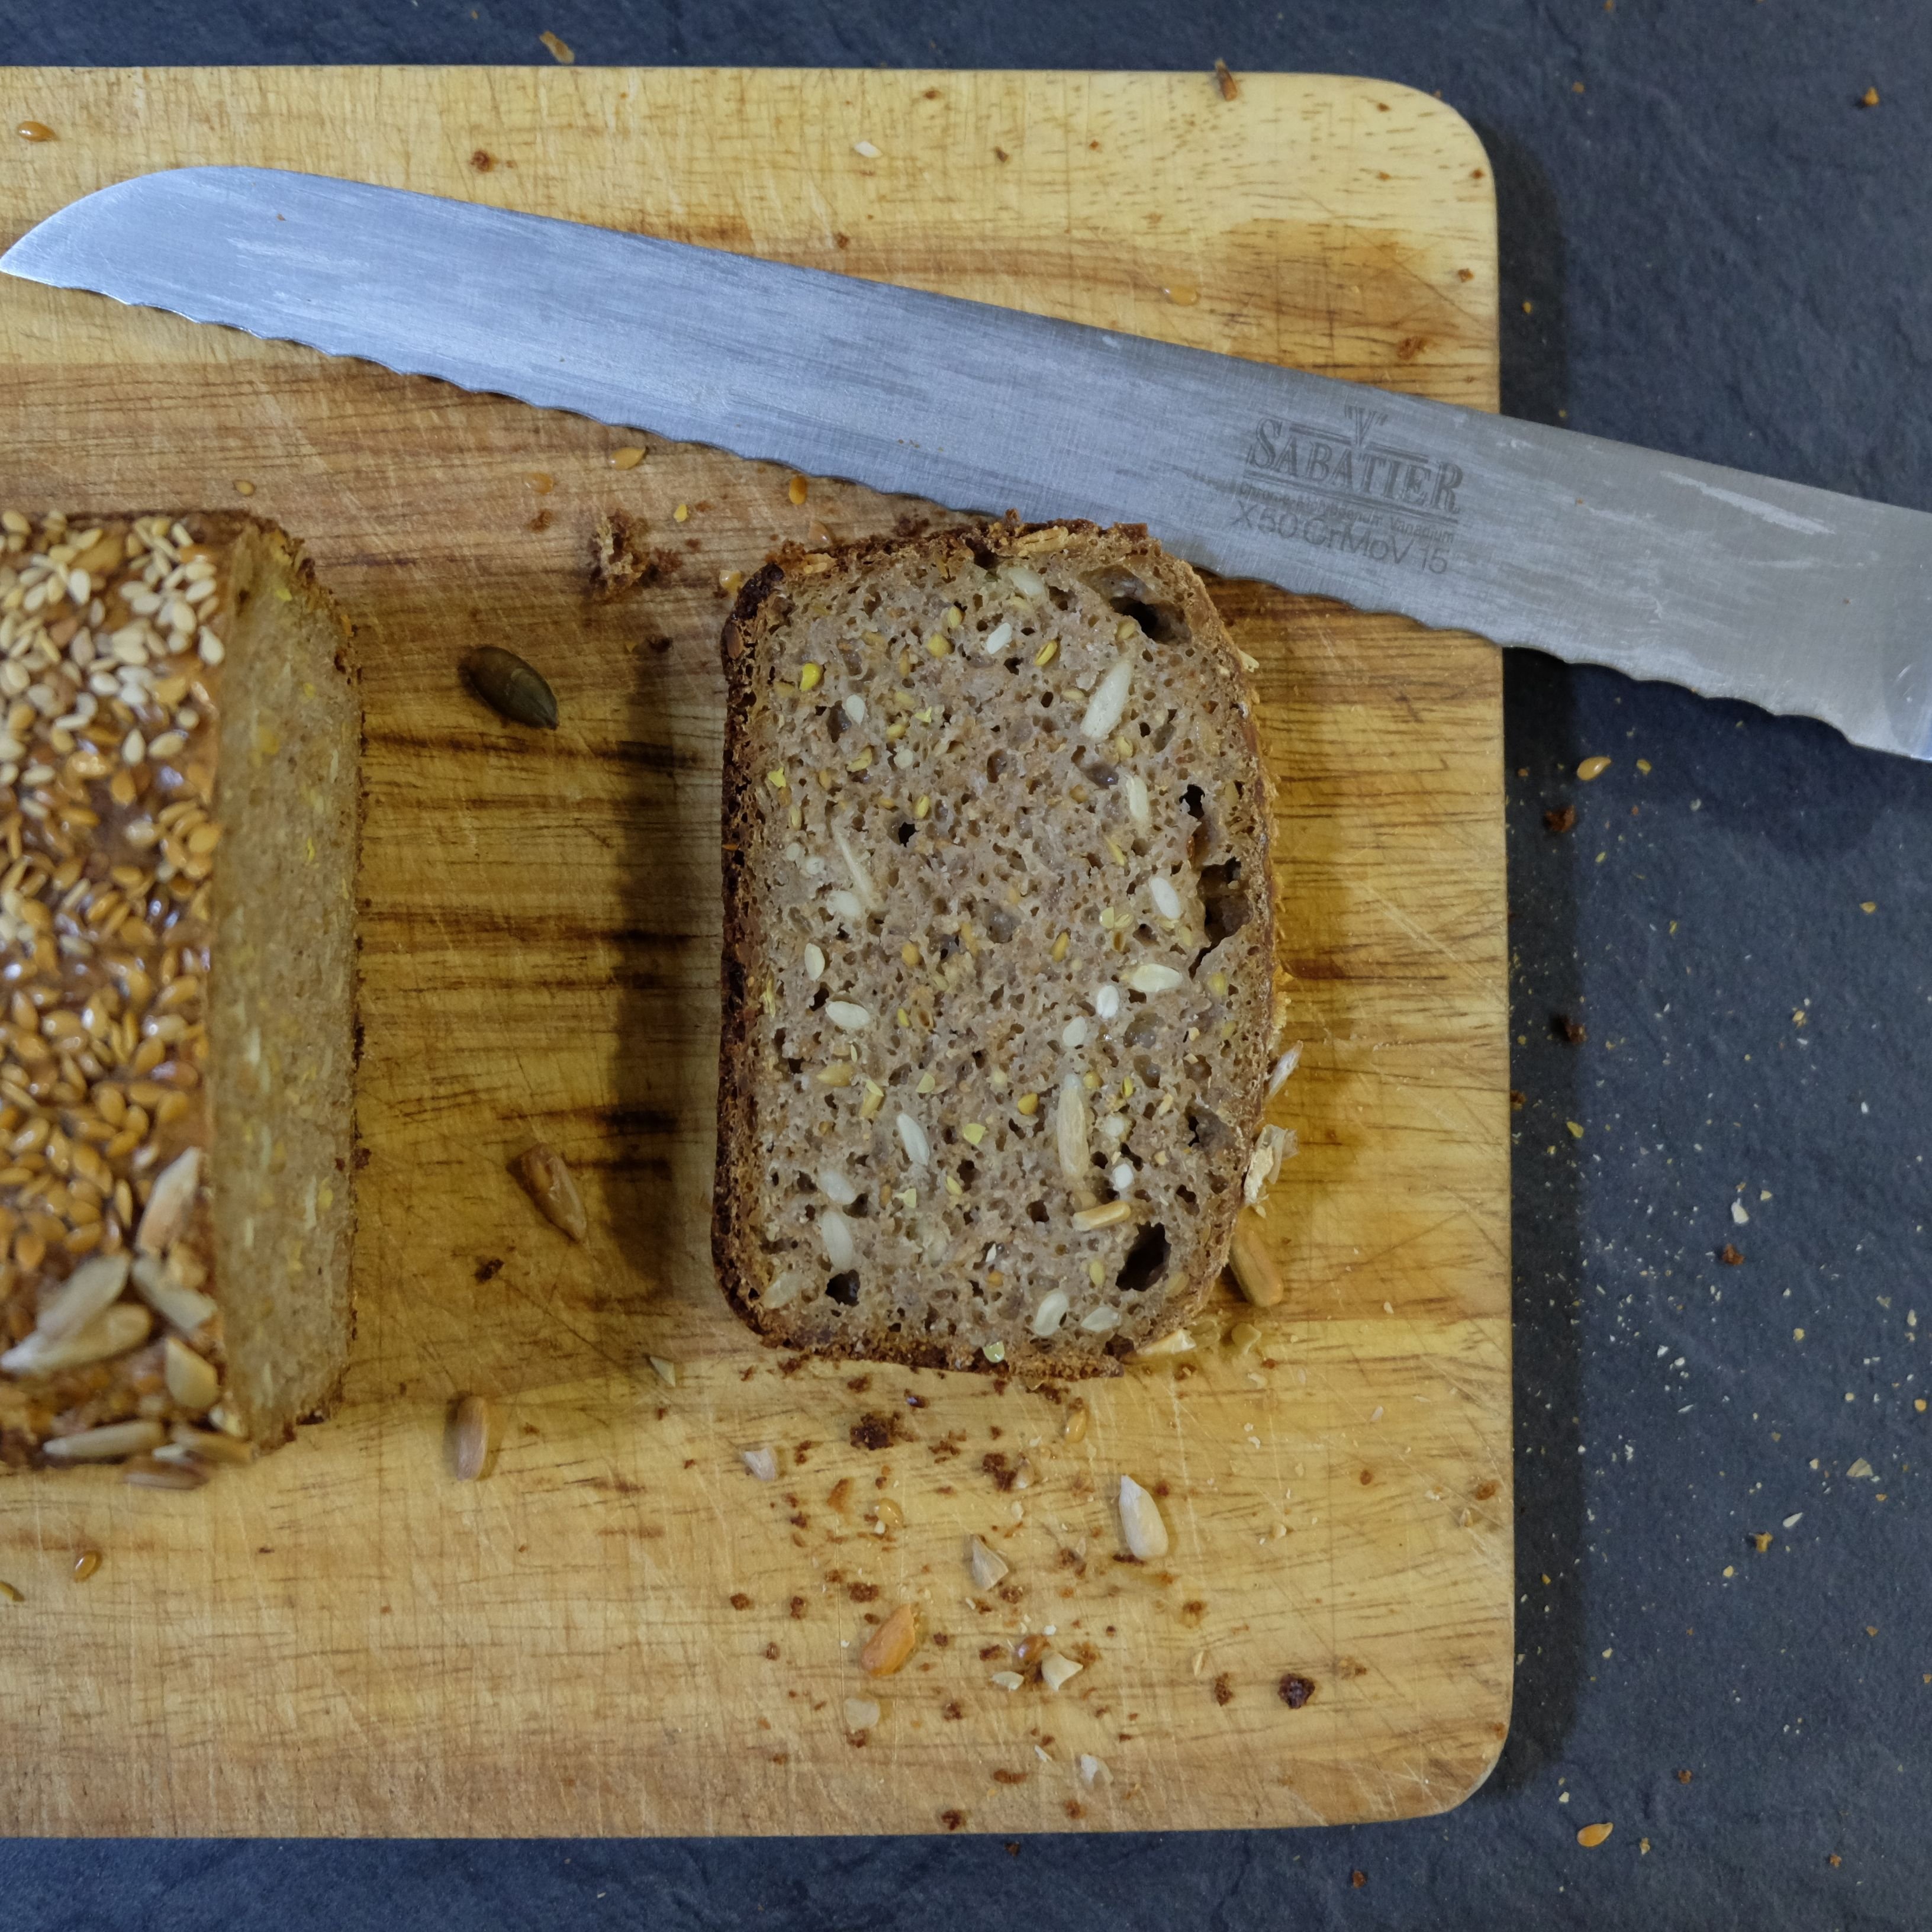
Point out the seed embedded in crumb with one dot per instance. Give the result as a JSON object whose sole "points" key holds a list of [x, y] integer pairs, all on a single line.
{"points": [[545, 1178], [469, 1438], [512, 687]]}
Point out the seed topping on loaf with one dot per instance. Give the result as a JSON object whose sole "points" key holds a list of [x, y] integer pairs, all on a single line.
{"points": [[998, 968], [110, 654]]}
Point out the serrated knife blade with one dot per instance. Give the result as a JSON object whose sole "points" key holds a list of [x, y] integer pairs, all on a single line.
{"points": [[1797, 599]]}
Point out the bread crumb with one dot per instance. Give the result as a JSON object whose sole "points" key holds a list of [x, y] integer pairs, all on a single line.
{"points": [[560, 50]]}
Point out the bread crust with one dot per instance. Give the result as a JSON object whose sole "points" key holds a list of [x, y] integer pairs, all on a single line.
{"points": [[763, 602]]}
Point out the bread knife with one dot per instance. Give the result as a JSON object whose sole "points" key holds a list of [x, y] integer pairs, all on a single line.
{"points": [[1797, 599]]}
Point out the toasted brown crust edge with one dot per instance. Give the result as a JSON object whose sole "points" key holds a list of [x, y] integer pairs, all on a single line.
{"points": [[759, 603]]}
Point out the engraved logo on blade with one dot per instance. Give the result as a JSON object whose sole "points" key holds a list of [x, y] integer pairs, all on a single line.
{"points": [[1355, 492]]}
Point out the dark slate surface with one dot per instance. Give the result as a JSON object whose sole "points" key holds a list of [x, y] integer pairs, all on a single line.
{"points": [[1728, 258]]}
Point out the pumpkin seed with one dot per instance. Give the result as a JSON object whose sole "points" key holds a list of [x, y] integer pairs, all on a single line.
{"points": [[511, 687]]}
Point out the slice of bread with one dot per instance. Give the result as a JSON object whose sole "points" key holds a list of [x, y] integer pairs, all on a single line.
{"points": [[180, 802], [998, 948]]}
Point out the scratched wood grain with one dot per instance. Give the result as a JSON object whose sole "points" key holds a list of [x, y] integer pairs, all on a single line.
{"points": [[619, 1631]]}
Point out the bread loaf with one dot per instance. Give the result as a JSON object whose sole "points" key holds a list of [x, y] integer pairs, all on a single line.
{"points": [[179, 806], [998, 948]]}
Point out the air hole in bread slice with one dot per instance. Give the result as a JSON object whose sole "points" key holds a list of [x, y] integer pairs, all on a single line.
{"points": [[1225, 903], [1146, 1261]]}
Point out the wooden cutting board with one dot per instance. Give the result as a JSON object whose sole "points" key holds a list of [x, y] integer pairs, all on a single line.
{"points": [[619, 1630]]}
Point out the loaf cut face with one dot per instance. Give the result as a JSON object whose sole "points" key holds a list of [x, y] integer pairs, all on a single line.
{"points": [[998, 948], [180, 806]]}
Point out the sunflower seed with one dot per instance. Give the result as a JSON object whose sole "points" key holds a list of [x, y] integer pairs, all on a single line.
{"points": [[512, 688], [191, 1378], [1051, 1312], [1254, 1269], [1106, 708], [107, 1444], [836, 1232], [148, 1472], [889, 1646], [95, 1285], [987, 1567], [1141, 1525], [210, 1445], [112, 1332], [912, 1138], [155, 1281], [1054, 1670], [1180, 1342], [1069, 1130], [548, 1181], [469, 1438]]}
